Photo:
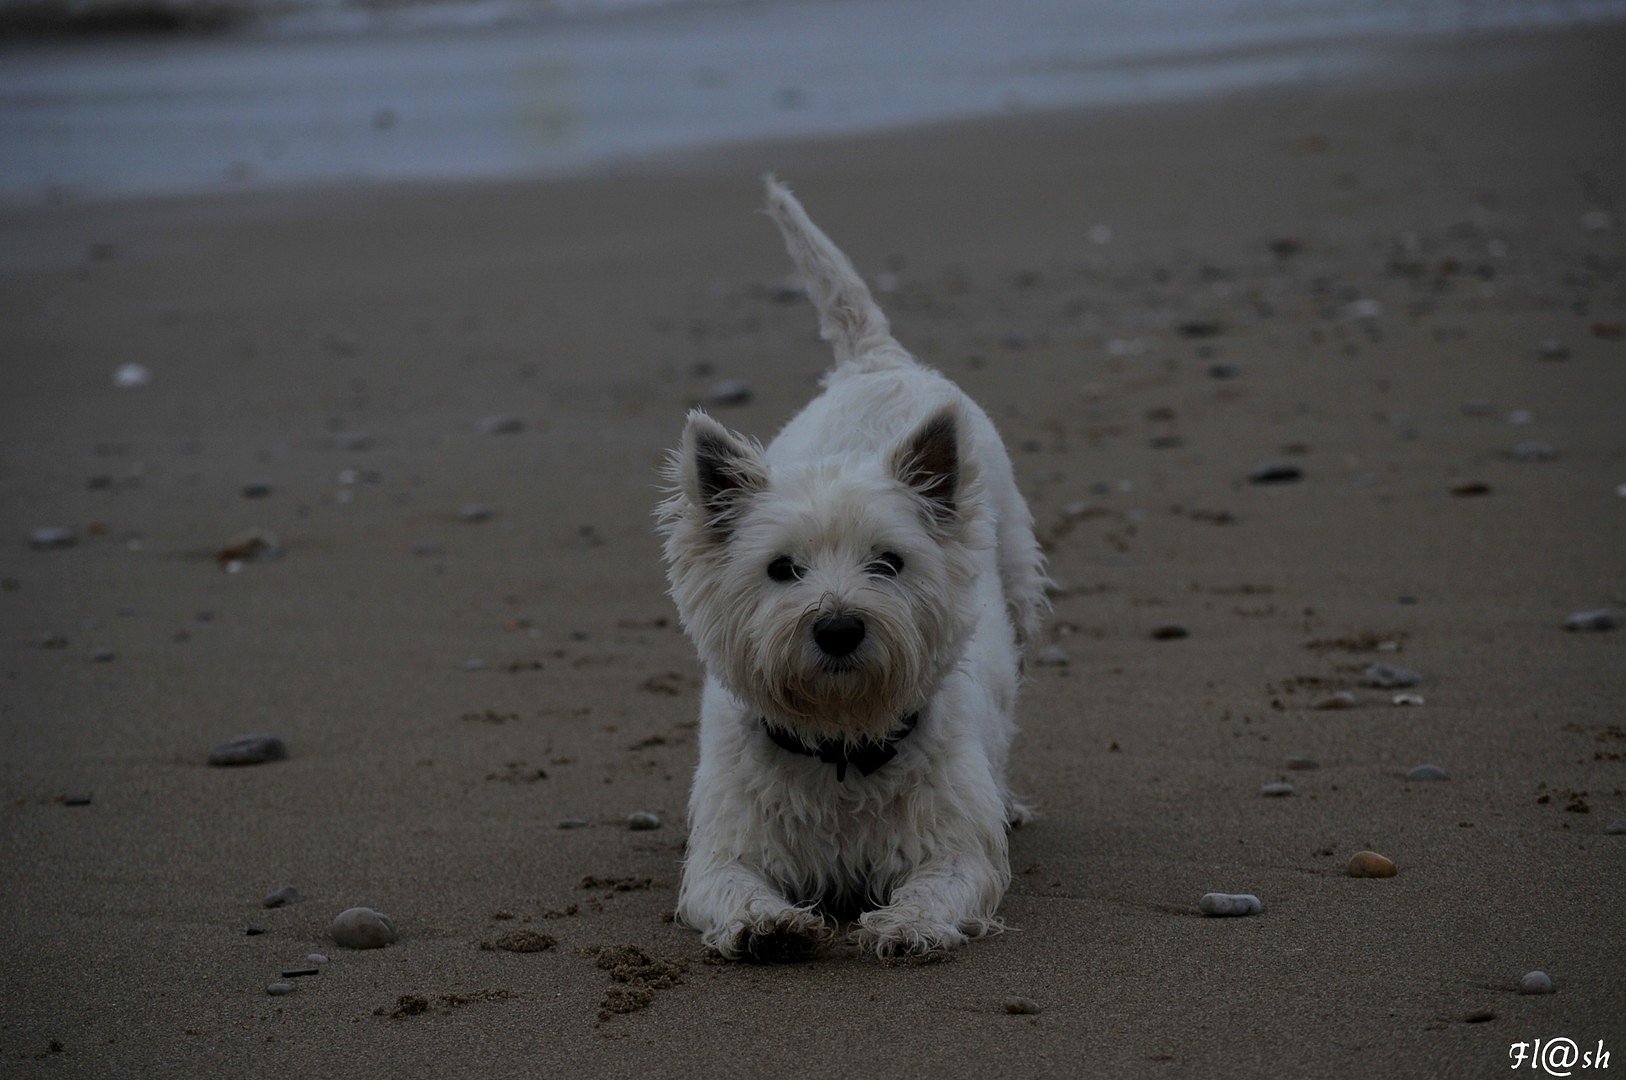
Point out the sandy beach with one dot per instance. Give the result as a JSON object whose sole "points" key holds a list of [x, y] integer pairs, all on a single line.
{"points": [[1395, 285]]}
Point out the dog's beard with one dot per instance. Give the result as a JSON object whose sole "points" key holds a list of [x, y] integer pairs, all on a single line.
{"points": [[861, 695]]}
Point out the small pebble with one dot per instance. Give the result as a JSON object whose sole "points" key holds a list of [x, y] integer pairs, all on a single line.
{"points": [[728, 392], [1050, 656], [300, 973], [1602, 619], [1275, 472], [1021, 1006], [316, 958], [75, 800], [642, 821], [1426, 772], [47, 537], [130, 376], [573, 823], [474, 512], [1343, 699], [1222, 371], [1302, 763], [1597, 221], [1170, 632], [1529, 452], [1616, 827], [1479, 1016], [1363, 309], [1407, 699], [259, 489], [1553, 349], [1521, 417], [1276, 790], [1536, 982], [475, 664], [501, 425], [1371, 864], [279, 989], [362, 928], [283, 896], [103, 656], [249, 750], [1388, 677], [1223, 904], [254, 931]]}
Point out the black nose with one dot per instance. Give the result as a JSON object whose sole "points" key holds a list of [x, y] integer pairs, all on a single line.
{"points": [[839, 635]]}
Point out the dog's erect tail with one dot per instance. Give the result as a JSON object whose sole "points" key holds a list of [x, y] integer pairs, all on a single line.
{"points": [[849, 318]]}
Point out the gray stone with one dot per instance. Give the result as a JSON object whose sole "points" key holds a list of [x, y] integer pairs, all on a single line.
{"points": [[47, 537], [1276, 790], [573, 823], [1229, 904], [1553, 349], [1616, 827], [1021, 1006], [257, 489], [1536, 982], [103, 656], [249, 750], [300, 972], [281, 897], [362, 928], [1602, 619], [1388, 676], [642, 821], [1426, 772], [1275, 472], [280, 989], [1342, 699], [316, 958], [501, 425], [474, 512], [728, 392], [475, 664], [1170, 632], [1533, 451]]}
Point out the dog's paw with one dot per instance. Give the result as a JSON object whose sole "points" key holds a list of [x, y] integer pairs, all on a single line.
{"points": [[1017, 814], [782, 937], [887, 932]]}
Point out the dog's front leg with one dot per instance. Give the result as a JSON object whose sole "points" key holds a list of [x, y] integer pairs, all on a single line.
{"points": [[940, 905], [743, 916]]}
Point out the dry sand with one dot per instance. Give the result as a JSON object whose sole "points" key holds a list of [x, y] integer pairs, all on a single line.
{"points": [[1452, 194]]}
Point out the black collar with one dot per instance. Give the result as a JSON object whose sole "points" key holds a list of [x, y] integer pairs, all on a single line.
{"points": [[865, 756]]}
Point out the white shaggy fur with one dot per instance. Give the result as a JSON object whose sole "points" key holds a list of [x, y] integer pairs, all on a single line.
{"points": [[891, 462]]}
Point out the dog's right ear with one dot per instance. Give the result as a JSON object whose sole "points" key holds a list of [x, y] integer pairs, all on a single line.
{"points": [[720, 470]]}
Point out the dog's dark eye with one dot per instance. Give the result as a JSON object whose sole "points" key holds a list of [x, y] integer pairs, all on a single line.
{"points": [[887, 564], [782, 569]]}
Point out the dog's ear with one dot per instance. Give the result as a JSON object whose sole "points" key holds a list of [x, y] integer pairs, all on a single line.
{"points": [[719, 470], [929, 462]]}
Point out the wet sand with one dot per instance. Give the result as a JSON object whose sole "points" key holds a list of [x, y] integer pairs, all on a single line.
{"points": [[1378, 262]]}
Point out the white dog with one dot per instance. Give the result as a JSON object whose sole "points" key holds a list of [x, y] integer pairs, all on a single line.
{"points": [[859, 592]]}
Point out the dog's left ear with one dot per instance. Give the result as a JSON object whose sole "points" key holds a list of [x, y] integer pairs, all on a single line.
{"points": [[929, 462]]}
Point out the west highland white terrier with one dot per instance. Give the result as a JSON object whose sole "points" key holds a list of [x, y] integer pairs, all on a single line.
{"points": [[859, 591]]}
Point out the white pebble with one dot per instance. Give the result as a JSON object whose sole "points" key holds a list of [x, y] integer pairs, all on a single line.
{"points": [[315, 958], [1426, 772], [1050, 656], [129, 376], [1408, 699], [1601, 619], [642, 821], [362, 928], [52, 536], [1276, 790], [1219, 903], [1536, 982]]}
